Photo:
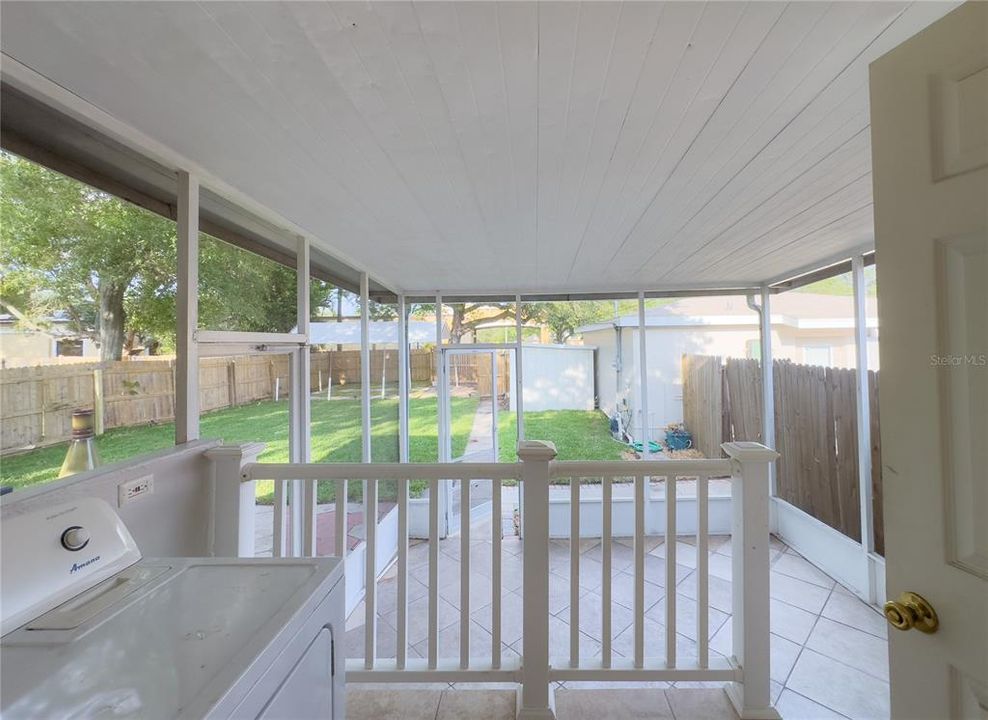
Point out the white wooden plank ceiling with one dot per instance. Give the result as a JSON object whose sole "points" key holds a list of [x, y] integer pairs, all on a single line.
{"points": [[571, 147]]}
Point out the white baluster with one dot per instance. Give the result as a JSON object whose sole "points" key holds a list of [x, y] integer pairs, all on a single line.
{"points": [[496, 574], [671, 483], [464, 573], [639, 552], [433, 573], [702, 576], [574, 572], [401, 648], [605, 564], [370, 574]]}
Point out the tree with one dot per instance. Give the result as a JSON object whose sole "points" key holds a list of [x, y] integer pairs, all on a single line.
{"points": [[467, 317], [111, 266], [564, 318], [69, 248]]}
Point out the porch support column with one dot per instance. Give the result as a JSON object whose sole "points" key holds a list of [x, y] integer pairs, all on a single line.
{"points": [[768, 381], [864, 419], [301, 415], [750, 461], [187, 311], [535, 697]]}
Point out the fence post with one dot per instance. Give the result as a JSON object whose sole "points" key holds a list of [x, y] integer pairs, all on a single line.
{"points": [[231, 520], [535, 700], [750, 463]]}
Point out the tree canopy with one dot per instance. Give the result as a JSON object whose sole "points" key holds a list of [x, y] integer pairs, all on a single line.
{"points": [[109, 267]]}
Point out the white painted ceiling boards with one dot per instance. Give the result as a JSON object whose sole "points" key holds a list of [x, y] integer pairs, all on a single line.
{"points": [[519, 146]]}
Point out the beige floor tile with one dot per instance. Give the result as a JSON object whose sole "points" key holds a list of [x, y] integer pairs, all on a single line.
{"points": [[794, 565], [790, 622], [591, 616], [623, 591], [686, 616], [597, 704], [783, 657], [840, 687], [477, 705], [718, 591], [794, 706], [709, 704], [797, 592], [851, 647], [850, 610], [392, 705], [512, 608], [418, 618]]}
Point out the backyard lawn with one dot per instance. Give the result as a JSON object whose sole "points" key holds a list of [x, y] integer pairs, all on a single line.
{"points": [[336, 434], [335, 437]]}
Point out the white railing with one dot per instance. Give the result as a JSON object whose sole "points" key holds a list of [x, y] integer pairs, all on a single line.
{"points": [[747, 669]]}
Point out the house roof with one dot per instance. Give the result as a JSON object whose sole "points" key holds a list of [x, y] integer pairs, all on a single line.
{"points": [[347, 332], [796, 309], [497, 147]]}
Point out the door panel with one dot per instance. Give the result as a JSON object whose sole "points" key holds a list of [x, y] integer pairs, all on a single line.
{"points": [[929, 121]]}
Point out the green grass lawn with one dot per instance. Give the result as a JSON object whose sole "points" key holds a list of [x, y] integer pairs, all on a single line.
{"points": [[335, 437], [336, 431], [577, 434]]}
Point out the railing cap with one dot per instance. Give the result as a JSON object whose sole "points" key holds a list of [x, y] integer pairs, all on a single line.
{"points": [[248, 451], [536, 450], [749, 452]]}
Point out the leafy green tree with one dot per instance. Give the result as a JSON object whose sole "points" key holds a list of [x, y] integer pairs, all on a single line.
{"points": [[111, 267], [564, 318]]}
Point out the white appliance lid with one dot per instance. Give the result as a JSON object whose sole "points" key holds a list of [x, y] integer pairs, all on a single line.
{"points": [[196, 631], [49, 556]]}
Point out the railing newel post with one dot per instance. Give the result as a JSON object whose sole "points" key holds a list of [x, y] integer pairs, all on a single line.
{"points": [[750, 472], [535, 699], [231, 521]]}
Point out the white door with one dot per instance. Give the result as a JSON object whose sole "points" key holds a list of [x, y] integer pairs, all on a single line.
{"points": [[929, 117]]}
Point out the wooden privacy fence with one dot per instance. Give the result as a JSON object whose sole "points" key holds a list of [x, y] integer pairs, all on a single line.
{"points": [[37, 402], [474, 369], [816, 430]]}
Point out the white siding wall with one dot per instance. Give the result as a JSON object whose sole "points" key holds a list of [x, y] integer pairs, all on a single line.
{"points": [[557, 377]]}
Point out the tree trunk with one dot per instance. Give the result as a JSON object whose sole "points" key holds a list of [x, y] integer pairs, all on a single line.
{"points": [[456, 328], [111, 319]]}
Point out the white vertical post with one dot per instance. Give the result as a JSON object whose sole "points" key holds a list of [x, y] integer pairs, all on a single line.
{"points": [[750, 463], [643, 377], [304, 492], [519, 386], [864, 418], [187, 311], [536, 693], [365, 369], [231, 530], [641, 498], [768, 380], [403, 380], [401, 622], [370, 486]]}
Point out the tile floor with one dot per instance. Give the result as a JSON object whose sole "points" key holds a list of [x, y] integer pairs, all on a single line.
{"points": [[829, 653]]}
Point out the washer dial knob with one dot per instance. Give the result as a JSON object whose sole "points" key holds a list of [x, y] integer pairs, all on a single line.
{"points": [[75, 538]]}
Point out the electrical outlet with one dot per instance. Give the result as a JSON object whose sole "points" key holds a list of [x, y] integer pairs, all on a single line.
{"points": [[134, 489]]}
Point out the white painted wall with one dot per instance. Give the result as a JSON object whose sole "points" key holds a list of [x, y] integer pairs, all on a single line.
{"points": [[557, 377], [172, 522]]}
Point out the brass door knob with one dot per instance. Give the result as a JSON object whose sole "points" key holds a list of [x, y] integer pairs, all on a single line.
{"points": [[911, 611]]}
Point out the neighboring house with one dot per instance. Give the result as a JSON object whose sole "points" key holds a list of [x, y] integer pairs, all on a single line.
{"points": [[23, 345], [807, 328]]}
